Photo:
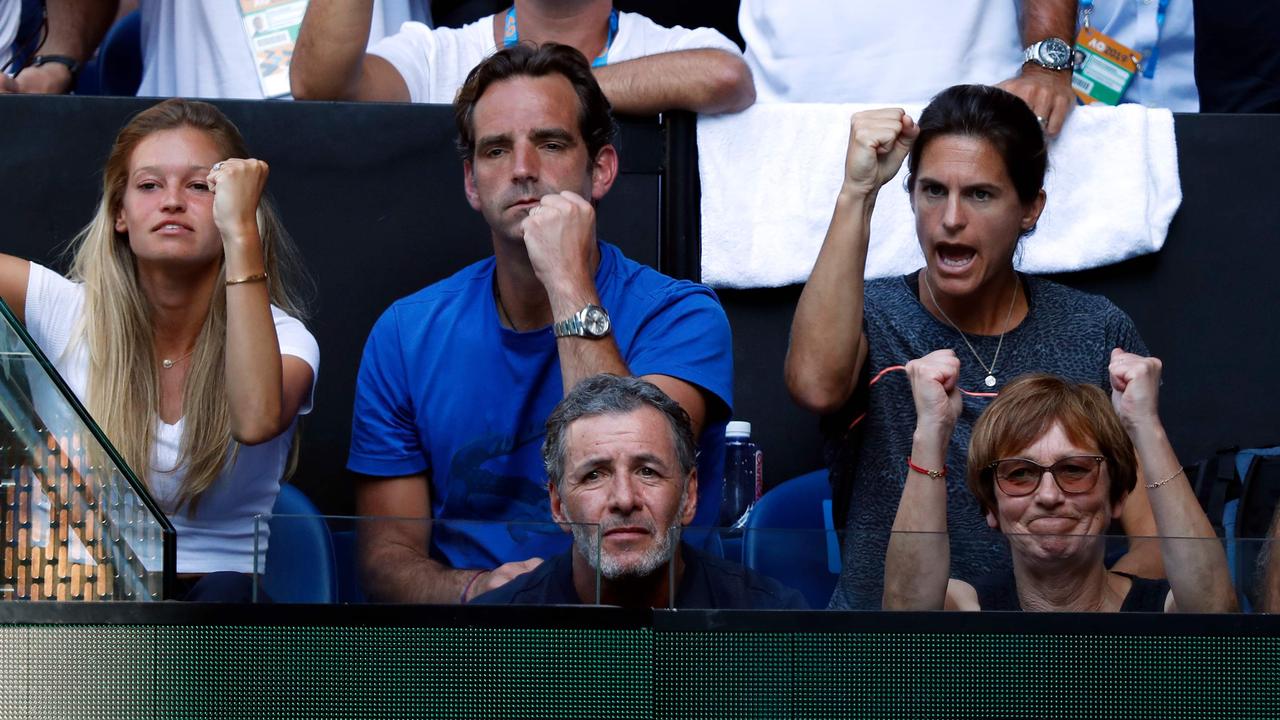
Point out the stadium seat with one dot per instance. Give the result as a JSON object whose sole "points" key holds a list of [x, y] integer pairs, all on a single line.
{"points": [[117, 70], [300, 557], [347, 563], [808, 557]]}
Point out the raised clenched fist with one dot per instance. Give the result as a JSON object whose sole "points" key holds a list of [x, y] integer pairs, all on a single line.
{"points": [[879, 141]]}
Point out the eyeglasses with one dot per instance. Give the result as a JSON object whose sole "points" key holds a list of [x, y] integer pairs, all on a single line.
{"points": [[1017, 477]]}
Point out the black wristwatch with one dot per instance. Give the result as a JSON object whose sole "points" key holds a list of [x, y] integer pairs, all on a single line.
{"points": [[71, 63]]}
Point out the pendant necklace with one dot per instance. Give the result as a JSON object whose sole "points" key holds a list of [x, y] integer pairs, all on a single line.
{"points": [[990, 380], [168, 363]]}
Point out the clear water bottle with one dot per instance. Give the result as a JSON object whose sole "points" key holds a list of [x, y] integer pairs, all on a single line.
{"points": [[743, 475]]}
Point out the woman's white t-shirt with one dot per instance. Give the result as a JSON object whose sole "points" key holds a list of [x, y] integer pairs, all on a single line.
{"points": [[220, 536]]}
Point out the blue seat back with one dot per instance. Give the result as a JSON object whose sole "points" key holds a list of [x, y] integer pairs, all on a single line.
{"points": [[790, 537], [300, 559], [117, 70]]}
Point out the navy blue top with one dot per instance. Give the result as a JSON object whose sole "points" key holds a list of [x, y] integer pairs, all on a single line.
{"points": [[709, 583], [999, 591]]}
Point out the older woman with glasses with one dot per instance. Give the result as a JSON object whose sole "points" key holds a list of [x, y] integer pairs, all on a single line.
{"points": [[1051, 463]]}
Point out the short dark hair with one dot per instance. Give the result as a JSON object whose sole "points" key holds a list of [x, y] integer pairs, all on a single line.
{"points": [[606, 394], [987, 113], [1026, 409], [595, 116]]}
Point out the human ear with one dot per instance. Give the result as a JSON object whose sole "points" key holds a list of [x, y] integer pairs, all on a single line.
{"points": [[557, 507], [691, 498], [992, 521], [1031, 211], [604, 170]]}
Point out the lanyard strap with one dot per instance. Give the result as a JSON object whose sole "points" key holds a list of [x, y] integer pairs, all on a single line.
{"points": [[511, 35], [1152, 54]]}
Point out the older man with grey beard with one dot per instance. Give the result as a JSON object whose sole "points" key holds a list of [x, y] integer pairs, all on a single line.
{"points": [[622, 477]]}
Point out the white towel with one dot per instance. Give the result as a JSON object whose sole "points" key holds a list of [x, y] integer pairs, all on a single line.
{"points": [[770, 177]]}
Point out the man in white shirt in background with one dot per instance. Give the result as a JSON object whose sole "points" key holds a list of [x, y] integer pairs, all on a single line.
{"points": [[194, 48], [642, 67], [859, 51]]}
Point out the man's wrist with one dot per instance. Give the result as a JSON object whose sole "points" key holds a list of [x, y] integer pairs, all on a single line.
{"points": [[1032, 70], [570, 294], [47, 79]]}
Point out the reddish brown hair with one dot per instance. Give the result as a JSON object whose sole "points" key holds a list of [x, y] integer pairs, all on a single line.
{"points": [[1026, 409]]}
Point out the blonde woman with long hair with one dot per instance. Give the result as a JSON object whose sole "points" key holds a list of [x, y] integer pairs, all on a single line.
{"points": [[176, 329]]}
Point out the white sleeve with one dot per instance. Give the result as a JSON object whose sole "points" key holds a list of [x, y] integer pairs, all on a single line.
{"points": [[410, 52], [642, 36], [296, 340], [53, 309]]}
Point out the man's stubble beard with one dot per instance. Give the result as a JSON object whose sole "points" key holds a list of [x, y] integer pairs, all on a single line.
{"points": [[586, 542]]}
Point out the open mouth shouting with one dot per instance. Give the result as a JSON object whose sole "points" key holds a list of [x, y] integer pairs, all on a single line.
{"points": [[954, 257]]}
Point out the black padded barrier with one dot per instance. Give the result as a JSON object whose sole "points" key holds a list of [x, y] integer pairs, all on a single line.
{"points": [[191, 660], [1206, 304], [371, 193]]}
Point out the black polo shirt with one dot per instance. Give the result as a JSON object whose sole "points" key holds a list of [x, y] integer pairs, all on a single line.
{"points": [[709, 583]]}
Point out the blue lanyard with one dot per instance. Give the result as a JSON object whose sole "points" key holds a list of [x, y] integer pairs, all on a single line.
{"points": [[511, 35], [1152, 54]]}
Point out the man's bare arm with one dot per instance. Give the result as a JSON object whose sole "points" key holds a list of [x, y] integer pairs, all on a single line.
{"points": [[329, 59], [393, 537], [704, 80], [75, 29], [1048, 92]]}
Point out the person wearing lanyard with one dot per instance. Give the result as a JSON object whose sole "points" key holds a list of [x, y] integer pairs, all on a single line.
{"points": [[511, 35], [642, 67], [1162, 34]]}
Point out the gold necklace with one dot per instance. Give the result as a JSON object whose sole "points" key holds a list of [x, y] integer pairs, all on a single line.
{"points": [[990, 380]]}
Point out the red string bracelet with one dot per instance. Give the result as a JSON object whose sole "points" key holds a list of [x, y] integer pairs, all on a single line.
{"points": [[462, 599], [935, 474]]}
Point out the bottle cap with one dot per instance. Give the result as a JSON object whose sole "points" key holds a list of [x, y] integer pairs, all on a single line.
{"points": [[737, 428]]}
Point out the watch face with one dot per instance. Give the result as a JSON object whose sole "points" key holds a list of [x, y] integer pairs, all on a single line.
{"points": [[1055, 53], [596, 321]]}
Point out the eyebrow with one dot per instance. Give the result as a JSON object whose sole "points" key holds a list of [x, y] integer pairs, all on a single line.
{"points": [[989, 187], [159, 170], [537, 134], [552, 134], [642, 459]]}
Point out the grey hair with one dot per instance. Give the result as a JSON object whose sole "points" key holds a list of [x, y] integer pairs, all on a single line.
{"points": [[606, 394]]}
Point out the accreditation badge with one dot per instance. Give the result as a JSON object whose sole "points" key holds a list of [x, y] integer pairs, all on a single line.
{"points": [[271, 27], [1104, 68]]}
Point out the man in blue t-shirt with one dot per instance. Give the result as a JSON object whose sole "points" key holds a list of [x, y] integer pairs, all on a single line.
{"points": [[457, 380], [620, 458]]}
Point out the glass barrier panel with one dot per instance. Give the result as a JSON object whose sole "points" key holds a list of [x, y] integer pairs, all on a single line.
{"points": [[1066, 572], [76, 523], [764, 568], [748, 568], [344, 559]]}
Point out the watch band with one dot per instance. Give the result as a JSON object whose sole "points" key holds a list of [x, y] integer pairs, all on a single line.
{"points": [[71, 63], [570, 326], [591, 322]]}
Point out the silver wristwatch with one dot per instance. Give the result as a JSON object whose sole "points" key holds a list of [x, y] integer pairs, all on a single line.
{"points": [[1051, 53], [590, 322]]}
